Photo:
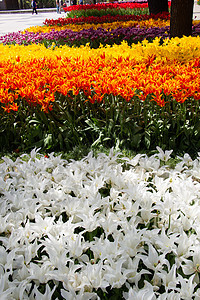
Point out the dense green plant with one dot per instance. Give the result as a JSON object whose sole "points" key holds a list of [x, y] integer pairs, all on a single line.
{"points": [[135, 125], [108, 11]]}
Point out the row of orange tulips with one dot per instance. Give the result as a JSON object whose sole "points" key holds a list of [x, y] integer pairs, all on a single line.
{"points": [[37, 80]]}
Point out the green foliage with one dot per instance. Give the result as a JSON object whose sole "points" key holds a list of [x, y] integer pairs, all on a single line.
{"points": [[135, 126], [108, 11], [112, 294]]}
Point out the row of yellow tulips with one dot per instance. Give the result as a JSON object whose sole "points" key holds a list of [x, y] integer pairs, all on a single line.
{"points": [[109, 26]]}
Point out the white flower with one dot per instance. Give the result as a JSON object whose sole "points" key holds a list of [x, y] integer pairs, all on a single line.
{"points": [[43, 226], [75, 245], [149, 163], [193, 266], [147, 207], [35, 294], [135, 160], [161, 184], [109, 222], [5, 289], [114, 274], [153, 260], [3, 256], [186, 159], [68, 273], [104, 249], [131, 243], [197, 295], [166, 242], [82, 295], [95, 276], [169, 279], [170, 296], [164, 156], [130, 269], [146, 293], [195, 171], [30, 251], [21, 290], [89, 218], [168, 207], [57, 251], [39, 273], [21, 274], [184, 246], [186, 291]]}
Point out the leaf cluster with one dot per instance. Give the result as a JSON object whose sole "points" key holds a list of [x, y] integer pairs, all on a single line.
{"points": [[134, 125]]}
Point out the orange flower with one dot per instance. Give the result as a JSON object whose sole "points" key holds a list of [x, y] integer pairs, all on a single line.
{"points": [[37, 80]]}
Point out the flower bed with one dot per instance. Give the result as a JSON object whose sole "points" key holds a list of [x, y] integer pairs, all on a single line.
{"points": [[81, 31], [101, 227], [110, 95], [103, 19], [94, 37], [88, 74], [105, 6], [106, 226]]}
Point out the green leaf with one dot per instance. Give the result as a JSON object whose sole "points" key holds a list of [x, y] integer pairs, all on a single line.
{"points": [[48, 141]]}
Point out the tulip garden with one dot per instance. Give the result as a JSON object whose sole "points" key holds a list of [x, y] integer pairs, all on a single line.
{"points": [[121, 221]]}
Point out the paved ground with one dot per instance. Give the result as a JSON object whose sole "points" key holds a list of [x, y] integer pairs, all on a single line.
{"points": [[13, 21], [196, 11]]}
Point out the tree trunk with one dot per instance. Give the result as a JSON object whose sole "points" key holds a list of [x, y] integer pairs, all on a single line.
{"points": [[157, 6], [181, 18]]}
